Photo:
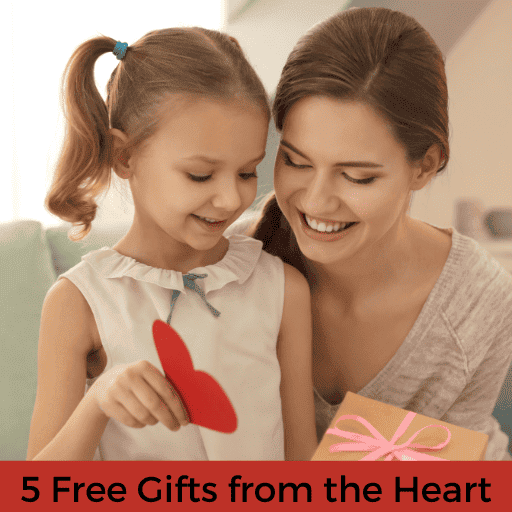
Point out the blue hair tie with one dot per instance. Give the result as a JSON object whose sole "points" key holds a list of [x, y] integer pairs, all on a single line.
{"points": [[120, 50]]}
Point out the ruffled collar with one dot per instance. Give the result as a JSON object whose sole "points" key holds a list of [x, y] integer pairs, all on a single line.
{"points": [[237, 265]]}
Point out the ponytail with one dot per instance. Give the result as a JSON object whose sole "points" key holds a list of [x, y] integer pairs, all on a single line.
{"points": [[83, 168], [191, 61], [277, 236]]}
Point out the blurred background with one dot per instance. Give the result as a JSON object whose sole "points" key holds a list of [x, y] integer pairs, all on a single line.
{"points": [[474, 36], [474, 194]]}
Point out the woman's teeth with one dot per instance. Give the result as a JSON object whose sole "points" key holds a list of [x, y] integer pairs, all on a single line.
{"points": [[326, 227]]}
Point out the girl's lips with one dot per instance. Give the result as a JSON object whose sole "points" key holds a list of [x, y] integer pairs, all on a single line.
{"points": [[215, 226], [323, 237]]}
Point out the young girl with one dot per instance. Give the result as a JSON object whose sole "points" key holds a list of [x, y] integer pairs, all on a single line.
{"points": [[185, 123]]}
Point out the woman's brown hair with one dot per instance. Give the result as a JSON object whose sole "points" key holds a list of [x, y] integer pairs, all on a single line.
{"points": [[376, 56], [193, 61]]}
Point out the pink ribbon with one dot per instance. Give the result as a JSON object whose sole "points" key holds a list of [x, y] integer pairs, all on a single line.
{"points": [[379, 446]]}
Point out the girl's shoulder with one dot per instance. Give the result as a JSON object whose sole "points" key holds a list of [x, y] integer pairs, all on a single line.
{"points": [[241, 226]]}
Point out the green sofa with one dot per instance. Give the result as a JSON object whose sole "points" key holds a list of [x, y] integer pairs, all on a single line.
{"points": [[31, 258]]}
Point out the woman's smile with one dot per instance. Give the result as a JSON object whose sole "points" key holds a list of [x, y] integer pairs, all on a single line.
{"points": [[324, 231], [330, 140]]}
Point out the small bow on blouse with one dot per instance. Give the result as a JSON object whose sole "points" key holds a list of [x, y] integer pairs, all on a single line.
{"points": [[189, 282]]}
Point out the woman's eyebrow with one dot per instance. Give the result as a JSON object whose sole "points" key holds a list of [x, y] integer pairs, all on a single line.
{"points": [[338, 164]]}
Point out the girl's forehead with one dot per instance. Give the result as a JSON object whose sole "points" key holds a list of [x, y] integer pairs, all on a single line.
{"points": [[190, 105], [207, 114], [222, 130]]}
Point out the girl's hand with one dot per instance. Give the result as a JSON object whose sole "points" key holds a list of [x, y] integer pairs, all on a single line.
{"points": [[137, 395]]}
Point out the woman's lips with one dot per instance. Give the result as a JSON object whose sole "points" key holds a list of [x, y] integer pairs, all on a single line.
{"points": [[323, 237]]}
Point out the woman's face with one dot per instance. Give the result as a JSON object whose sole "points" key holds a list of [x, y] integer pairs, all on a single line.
{"points": [[341, 179]]}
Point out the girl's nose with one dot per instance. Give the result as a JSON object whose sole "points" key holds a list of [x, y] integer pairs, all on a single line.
{"points": [[227, 197]]}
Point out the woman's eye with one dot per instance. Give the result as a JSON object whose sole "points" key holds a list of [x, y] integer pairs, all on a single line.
{"points": [[365, 181], [288, 161], [194, 177]]}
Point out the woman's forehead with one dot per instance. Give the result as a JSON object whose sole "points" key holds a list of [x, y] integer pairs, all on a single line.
{"points": [[319, 122]]}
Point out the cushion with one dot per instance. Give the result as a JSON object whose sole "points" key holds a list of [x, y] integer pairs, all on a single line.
{"points": [[503, 409], [66, 254], [26, 274]]}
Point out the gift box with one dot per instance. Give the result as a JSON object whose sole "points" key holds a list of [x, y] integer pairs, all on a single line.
{"points": [[364, 429]]}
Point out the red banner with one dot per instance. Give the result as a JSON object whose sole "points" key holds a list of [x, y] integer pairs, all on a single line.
{"points": [[90, 486]]}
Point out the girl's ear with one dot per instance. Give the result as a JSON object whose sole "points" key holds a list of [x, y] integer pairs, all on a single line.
{"points": [[121, 160], [427, 168]]}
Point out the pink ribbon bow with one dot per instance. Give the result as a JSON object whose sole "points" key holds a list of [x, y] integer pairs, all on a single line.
{"points": [[379, 446]]}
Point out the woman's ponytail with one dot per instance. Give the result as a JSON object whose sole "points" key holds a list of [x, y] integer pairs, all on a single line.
{"points": [[83, 169], [277, 236]]}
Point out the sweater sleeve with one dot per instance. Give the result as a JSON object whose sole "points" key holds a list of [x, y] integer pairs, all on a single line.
{"points": [[474, 406], [481, 320]]}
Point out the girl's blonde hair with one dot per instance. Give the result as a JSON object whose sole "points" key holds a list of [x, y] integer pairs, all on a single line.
{"points": [[193, 61]]}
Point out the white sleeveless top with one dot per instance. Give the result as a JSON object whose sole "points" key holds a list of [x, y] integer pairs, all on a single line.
{"points": [[238, 348]]}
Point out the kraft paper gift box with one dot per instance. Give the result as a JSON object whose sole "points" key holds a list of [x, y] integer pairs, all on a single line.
{"points": [[392, 433]]}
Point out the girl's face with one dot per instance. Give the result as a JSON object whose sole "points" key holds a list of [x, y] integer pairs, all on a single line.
{"points": [[341, 178], [200, 164]]}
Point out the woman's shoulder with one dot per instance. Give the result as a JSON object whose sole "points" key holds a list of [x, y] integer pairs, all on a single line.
{"points": [[476, 289], [479, 270]]}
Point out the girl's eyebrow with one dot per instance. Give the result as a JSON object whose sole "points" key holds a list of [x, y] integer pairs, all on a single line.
{"points": [[338, 164], [214, 161]]}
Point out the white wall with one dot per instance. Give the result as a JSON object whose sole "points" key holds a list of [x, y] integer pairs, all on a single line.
{"points": [[479, 73], [269, 30]]}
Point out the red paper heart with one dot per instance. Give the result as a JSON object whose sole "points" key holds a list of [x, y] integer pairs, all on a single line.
{"points": [[206, 402]]}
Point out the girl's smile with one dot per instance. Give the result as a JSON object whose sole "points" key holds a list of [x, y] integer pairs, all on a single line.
{"points": [[210, 224]]}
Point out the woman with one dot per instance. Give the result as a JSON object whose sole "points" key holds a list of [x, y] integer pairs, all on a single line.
{"points": [[403, 312]]}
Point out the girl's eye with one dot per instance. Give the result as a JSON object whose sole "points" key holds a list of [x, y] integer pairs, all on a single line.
{"points": [[248, 175], [245, 176], [365, 181]]}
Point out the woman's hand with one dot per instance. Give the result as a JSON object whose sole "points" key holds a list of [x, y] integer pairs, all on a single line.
{"points": [[137, 395]]}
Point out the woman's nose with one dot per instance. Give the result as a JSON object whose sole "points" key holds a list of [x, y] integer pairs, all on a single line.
{"points": [[320, 197]]}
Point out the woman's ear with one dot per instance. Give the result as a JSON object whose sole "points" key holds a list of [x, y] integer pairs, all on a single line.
{"points": [[121, 160], [427, 168]]}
